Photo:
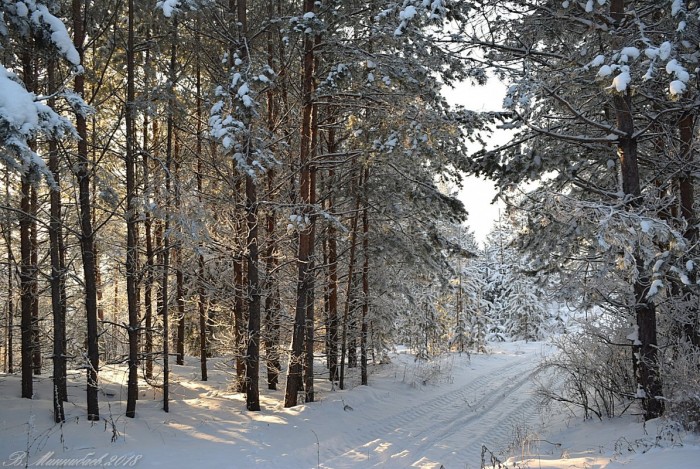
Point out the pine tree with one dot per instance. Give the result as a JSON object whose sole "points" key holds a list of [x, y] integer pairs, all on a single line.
{"points": [[586, 105]]}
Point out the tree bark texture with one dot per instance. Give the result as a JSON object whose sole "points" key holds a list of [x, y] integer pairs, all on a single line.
{"points": [[58, 291], [645, 354], [87, 236], [365, 280], [304, 252], [131, 220]]}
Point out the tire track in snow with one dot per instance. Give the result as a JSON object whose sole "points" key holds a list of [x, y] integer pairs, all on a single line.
{"points": [[494, 428], [420, 430], [444, 436]]}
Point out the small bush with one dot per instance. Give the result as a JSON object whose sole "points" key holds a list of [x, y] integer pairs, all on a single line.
{"points": [[681, 373], [593, 369]]}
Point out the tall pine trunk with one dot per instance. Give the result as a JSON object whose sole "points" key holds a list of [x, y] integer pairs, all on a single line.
{"points": [[348, 294], [30, 80], [179, 274], [238, 322], [687, 210], [272, 301], [87, 236], [58, 292], [332, 272], [332, 304], [252, 359], [36, 328], [27, 271], [239, 330], [202, 309], [99, 287], [305, 248], [645, 356], [148, 228], [271, 307], [25, 290], [148, 278], [131, 220], [172, 73], [311, 240], [253, 350], [202, 291], [365, 278], [10, 368], [180, 300]]}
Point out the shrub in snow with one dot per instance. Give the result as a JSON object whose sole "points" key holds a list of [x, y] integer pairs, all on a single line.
{"points": [[681, 371], [593, 371]]}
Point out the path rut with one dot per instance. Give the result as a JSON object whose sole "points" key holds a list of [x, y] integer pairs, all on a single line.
{"points": [[448, 429]]}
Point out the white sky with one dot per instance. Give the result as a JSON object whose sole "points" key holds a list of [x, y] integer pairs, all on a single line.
{"points": [[477, 194]]}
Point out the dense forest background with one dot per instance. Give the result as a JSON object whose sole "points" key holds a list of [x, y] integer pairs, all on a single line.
{"points": [[275, 181]]}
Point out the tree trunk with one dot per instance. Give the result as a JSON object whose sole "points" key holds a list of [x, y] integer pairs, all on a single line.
{"points": [[179, 276], [252, 358], [253, 352], [202, 298], [87, 242], [332, 305], [98, 274], [164, 309], [180, 291], [645, 354], [87, 237], [271, 301], [304, 253], [202, 309], [348, 294], [332, 287], [148, 225], [10, 284], [238, 330], [58, 292], [131, 220], [172, 73], [271, 307], [687, 210], [352, 332], [25, 282], [25, 288], [148, 281], [36, 330], [365, 279], [99, 287], [27, 272], [159, 249], [30, 80], [311, 265]]}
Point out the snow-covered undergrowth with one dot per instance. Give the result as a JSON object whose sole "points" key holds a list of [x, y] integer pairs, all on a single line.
{"points": [[447, 412]]}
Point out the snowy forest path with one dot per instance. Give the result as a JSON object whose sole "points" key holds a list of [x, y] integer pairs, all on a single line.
{"points": [[486, 407], [413, 414]]}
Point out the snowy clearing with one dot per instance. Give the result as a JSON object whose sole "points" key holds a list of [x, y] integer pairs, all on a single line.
{"points": [[413, 415]]}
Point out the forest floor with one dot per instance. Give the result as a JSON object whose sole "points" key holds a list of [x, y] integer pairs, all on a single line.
{"points": [[445, 412]]}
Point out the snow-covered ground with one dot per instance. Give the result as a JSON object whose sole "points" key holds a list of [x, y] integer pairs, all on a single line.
{"points": [[413, 415]]}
